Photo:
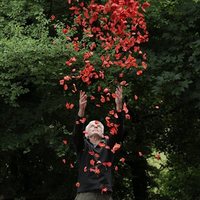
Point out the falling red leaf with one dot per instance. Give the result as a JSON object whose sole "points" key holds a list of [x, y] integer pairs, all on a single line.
{"points": [[82, 120], [139, 72], [116, 115], [97, 170], [92, 97], [92, 162], [106, 90], [104, 189], [127, 116], [136, 97], [65, 87], [96, 155], [77, 184], [111, 112], [62, 82], [140, 153], [107, 164], [102, 99], [85, 169], [71, 166], [157, 156], [69, 106], [101, 144], [145, 5], [106, 137], [64, 30], [116, 147], [122, 160], [113, 130], [123, 83], [91, 153], [52, 17], [125, 109], [65, 142]]}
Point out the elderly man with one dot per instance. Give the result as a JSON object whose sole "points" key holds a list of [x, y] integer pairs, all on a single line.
{"points": [[95, 153]]}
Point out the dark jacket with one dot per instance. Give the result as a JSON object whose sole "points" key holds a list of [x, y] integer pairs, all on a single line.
{"points": [[95, 163]]}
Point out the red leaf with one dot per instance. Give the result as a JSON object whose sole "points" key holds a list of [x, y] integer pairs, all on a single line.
{"points": [[145, 5], [91, 153], [65, 142], [116, 147], [102, 99], [77, 184], [106, 90], [67, 78], [101, 144], [140, 153], [65, 87], [127, 116], [122, 160], [92, 162], [69, 106], [92, 97], [62, 82], [136, 97], [139, 72], [53, 17], [71, 165], [125, 109], [111, 112], [82, 120], [109, 164], [157, 156], [85, 169], [64, 30], [104, 189]]}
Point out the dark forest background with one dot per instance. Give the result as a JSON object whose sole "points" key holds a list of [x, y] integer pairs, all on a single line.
{"points": [[162, 141]]}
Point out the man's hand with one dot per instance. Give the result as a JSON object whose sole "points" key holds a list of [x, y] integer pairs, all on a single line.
{"points": [[82, 103], [118, 99]]}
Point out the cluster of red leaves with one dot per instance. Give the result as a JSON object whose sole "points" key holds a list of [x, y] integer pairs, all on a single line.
{"points": [[113, 32], [107, 39]]}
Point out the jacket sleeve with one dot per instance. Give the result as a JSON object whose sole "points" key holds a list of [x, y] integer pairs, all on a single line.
{"points": [[118, 137], [78, 135]]}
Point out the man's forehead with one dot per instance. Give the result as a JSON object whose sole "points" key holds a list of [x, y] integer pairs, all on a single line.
{"points": [[95, 122]]}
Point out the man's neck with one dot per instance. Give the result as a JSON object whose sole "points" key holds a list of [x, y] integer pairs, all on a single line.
{"points": [[95, 140]]}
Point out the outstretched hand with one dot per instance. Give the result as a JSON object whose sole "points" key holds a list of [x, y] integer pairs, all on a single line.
{"points": [[82, 103], [118, 98]]}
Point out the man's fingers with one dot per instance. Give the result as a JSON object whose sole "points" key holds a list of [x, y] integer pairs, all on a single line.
{"points": [[118, 90], [83, 94], [83, 102], [83, 97]]}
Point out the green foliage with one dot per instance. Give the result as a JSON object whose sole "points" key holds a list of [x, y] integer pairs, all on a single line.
{"points": [[174, 71], [32, 108]]}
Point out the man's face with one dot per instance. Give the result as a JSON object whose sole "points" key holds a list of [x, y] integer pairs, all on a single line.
{"points": [[95, 128]]}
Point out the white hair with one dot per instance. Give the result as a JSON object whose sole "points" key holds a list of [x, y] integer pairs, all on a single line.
{"points": [[88, 127]]}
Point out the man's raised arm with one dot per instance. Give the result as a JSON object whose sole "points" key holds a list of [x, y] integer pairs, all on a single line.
{"points": [[78, 135], [117, 138]]}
